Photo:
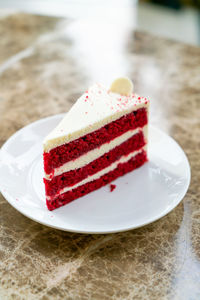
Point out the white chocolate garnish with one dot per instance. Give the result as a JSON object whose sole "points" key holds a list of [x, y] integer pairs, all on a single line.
{"points": [[122, 86]]}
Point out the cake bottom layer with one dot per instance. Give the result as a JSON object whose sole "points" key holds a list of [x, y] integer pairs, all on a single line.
{"points": [[84, 189]]}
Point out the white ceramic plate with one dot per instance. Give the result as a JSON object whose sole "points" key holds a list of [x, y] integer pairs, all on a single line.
{"points": [[141, 197]]}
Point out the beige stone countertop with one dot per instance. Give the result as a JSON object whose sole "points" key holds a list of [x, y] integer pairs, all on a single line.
{"points": [[45, 64]]}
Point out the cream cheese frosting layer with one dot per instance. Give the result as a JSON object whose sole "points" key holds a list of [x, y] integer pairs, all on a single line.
{"points": [[100, 173], [85, 159], [94, 109]]}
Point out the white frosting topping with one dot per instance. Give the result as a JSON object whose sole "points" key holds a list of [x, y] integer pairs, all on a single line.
{"points": [[94, 109]]}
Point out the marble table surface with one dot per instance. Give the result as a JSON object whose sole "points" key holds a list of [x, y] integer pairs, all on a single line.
{"points": [[45, 64]]}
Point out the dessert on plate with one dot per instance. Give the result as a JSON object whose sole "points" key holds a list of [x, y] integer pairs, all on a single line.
{"points": [[102, 137]]}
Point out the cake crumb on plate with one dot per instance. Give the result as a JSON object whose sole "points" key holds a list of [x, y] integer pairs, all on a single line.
{"points": [[112, 187]]}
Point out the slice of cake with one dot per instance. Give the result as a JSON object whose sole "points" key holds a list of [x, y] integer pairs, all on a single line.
{"points": [[102, 137]]}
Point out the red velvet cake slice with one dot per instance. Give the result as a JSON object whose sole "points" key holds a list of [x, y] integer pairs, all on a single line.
{"points": [[102, 137]]}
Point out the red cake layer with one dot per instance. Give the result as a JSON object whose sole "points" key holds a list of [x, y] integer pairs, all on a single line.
{"points": [[82, 190], [64, 153], [72, 177]]}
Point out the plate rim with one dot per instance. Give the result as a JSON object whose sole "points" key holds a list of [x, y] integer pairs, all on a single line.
{"points": [[9, 198]]}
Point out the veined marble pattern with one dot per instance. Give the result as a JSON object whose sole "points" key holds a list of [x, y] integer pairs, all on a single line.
{"points": [[42, 74]]}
